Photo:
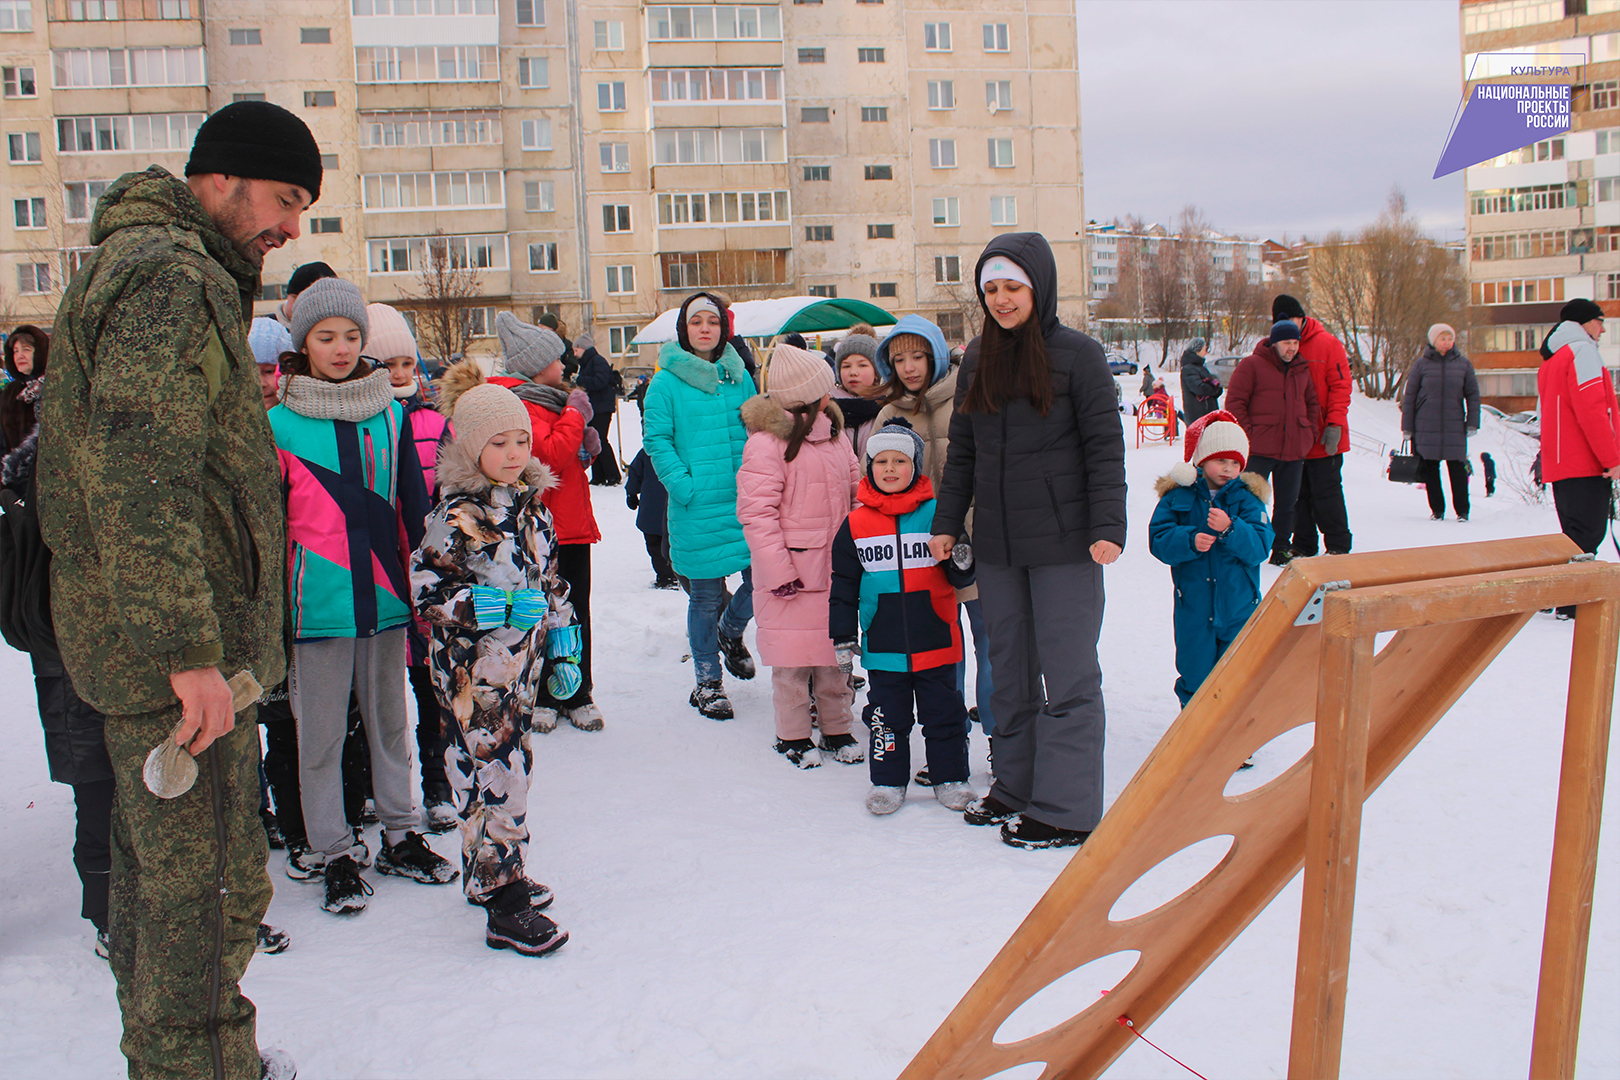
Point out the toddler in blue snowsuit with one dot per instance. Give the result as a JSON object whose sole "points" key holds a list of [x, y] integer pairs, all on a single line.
{"points": [[1211, 528]]}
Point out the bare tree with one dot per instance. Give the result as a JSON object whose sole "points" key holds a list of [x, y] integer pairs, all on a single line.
{"points": [[1165, 300], [962, 297], [448, 287], [1202, 278], [1245, 310]]}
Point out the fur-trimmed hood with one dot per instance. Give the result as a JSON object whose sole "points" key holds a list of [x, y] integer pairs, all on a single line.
{"points": [[702, 374], [1185, 475], [761, 413], [459, 473]]}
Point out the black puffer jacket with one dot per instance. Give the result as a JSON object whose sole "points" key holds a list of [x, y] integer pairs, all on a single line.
{"points": [[1043, 488], [1200, 389], [1441, 404], [596, 379]]}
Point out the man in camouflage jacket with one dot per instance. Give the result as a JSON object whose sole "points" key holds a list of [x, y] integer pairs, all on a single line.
{"points": [[160, 499]]}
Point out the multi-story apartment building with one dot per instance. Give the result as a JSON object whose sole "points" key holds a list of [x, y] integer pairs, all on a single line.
{"points": [[1543, 222], [596, 158], [1225, 253]]}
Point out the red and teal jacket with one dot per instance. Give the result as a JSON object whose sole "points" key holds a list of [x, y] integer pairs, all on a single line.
{"points": [[887, 585]]}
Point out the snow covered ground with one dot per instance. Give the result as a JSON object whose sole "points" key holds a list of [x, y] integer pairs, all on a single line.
{"points": [[732, 916]]}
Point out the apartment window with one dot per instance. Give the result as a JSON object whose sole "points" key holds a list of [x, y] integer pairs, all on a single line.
{"points": [[329, 161], [869, 56], [995, 37], [819, 115], [1608, 190], [17, 16], [73, 260], [714, 23], [812, 56], [880, 172], [410, 254], [680, 85], [1523, 245], [1522, 199], [1001, 154], [947, 269], [1608, 141], [1003, 209], [874, 114], [539, 196], [320, 99], [942, 153], [615, 219], [941, 94], [610, 97], [79, 200], [998, 95], [1607, 239], [543, 258], [609, 35], [144, 131], [1519, 291], [813, 173], [937, 37], [19, 82], [818, 232], [620, 340], [245, 37], [326, 225], [22, 147], [1606, 95], [426, 63], [884, 289], [880, 232], [246, 97], [534, 72], [531, 12], [947, 211], [423, 7], [615, 156], [827, 292], [314, 35], [951, 324], [29, 213], [127, 67], [621, 280], [33, 279], [427, 191], [722, 207], [536, 133], [1508, 14], [101, 10], [454, 127], [1611, 284], [726, 146]]}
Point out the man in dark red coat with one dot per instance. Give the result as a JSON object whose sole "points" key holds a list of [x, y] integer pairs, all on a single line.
{"points": [[1274, 399], [1321, 489]]}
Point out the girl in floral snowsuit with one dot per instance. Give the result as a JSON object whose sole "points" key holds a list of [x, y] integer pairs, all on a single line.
{"points": [[505, 641]]}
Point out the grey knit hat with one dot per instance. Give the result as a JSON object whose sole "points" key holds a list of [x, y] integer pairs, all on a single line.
{"points": [[856, 343], [585, 341], [329, 298], [529, 350]]}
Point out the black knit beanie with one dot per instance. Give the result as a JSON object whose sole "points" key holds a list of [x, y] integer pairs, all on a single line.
{"points": [[307, 275], [1580, 310], [1286, 307], [258, 141]]}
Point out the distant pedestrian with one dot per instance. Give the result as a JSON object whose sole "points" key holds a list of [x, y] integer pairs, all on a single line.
{"points": [[1200, 389], [1439, 411], [601, 383], [1273, 398], [1487, 465]]}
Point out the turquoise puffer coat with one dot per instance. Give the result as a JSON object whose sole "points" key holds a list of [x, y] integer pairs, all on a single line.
{"points": [[694, 434]]}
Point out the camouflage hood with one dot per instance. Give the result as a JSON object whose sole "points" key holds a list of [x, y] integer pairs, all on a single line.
{"points": [[158, 197]]}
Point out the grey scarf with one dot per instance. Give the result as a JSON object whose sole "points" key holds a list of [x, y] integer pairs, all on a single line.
{"points": [[553, 398], [356, 401]]}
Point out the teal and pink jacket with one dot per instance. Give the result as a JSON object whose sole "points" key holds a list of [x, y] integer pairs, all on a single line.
{"points": [[356, 502]]}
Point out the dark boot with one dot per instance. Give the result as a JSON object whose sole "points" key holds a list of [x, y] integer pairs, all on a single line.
{"points": [[514, 923]]}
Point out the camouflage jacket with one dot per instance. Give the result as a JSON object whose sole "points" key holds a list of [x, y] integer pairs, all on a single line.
{"points": [[158, 488]]}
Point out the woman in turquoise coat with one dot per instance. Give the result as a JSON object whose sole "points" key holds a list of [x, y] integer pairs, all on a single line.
{"points": [[694, 434]]}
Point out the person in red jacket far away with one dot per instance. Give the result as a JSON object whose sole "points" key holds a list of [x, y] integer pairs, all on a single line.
{"points": [[1320, 507], [1580, 426], [1274, 400]]}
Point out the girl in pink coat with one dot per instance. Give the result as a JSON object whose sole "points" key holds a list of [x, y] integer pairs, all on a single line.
{"points": [[796, 485]]}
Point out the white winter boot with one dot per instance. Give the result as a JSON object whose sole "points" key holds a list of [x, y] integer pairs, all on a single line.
{"points": [[885, 800], [543, 720], [956, 795]]}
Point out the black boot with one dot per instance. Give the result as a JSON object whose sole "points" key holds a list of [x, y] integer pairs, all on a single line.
{"points": [[738, 660], [710, 699], [513, 923], [1025, 832]]}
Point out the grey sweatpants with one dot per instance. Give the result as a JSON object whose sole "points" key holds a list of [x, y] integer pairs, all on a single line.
{"points": [[318, 686], [1043, 623]]}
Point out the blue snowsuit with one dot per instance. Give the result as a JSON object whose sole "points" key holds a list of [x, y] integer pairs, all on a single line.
{"points": [[1216, 590]]}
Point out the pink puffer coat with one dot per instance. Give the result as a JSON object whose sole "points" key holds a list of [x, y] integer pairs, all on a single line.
{"points": [[790, 513]]}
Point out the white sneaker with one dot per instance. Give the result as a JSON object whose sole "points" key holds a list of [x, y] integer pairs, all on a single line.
{"points": [[543, 720], [586, 717], [885, 800], [957, 795]]}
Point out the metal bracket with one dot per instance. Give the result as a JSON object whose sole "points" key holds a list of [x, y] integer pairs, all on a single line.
{"points": [[1585, 556], [1312, 613]]}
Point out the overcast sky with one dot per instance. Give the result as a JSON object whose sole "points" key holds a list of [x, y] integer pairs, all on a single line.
{"points": [[1272, 116]]}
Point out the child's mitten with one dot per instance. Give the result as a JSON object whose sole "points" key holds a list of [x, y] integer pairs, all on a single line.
{"points": [[489, 605], [528, 608]]}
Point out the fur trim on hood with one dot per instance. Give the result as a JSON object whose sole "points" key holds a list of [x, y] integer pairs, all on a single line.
{"points": [[760, 413], [459, 473], [1184, 474], [457, 379]]}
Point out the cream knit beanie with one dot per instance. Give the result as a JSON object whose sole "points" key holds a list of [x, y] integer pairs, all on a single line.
{"points": [[484, 412], [390, 333], [797, 376]]}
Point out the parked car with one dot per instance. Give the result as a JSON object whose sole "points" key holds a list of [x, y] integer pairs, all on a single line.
{"points": [[1120, 365], [1222, 369]]}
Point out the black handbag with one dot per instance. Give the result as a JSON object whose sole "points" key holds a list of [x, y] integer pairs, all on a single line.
{"points": [[1404, 467]]}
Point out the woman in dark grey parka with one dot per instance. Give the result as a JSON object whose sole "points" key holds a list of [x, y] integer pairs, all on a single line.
{"points": [[1037, 450], [1439, 411]]}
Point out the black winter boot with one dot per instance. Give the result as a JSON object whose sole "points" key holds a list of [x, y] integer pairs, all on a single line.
{"points": [[710, 699], [513, 923], [1024, 832], [738, 660], [412, 858]]}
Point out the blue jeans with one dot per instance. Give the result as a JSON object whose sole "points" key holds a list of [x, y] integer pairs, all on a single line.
{"points": [[983, 683], [705, 620]]}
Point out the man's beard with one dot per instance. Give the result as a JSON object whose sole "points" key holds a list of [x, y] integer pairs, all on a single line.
{"points": [[235, 218]]}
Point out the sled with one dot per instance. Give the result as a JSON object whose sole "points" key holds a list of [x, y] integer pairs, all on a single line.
{"points": [[1155, 423], [1308, 655]]}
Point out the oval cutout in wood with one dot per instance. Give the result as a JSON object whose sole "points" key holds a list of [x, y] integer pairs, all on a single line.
{"points": [[1272, 760], [1067, 996], [1171, 878], [1024, 1070]]}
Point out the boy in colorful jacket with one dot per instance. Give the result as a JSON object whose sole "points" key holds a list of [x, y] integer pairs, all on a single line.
{"points": [[887, 586], [1214, 534]]}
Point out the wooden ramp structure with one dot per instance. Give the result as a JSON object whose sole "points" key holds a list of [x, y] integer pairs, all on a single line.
{"points": [[1308, 656]]}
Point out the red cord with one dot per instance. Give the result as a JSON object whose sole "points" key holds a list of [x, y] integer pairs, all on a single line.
{"points": [[1125, 1022]]}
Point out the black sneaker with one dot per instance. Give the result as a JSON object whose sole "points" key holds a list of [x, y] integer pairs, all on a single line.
{"points": [[302, 863], [988, 811], [738, 660], [842, 748], [270, 940], [412, 858], [540, 896], [512, 923], [709, 698], [802, 752], [857, 683], [922, 779], [346, 890], [1280, 558], [1024, 832], [667, 583]]}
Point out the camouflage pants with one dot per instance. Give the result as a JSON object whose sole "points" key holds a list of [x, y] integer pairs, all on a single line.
{"points": [[189, 888], [488, 771]]}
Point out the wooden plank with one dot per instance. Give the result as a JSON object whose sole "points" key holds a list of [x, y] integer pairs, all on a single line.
{"points": [[1332, 843], [1575, 841], [1481, 596]]}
